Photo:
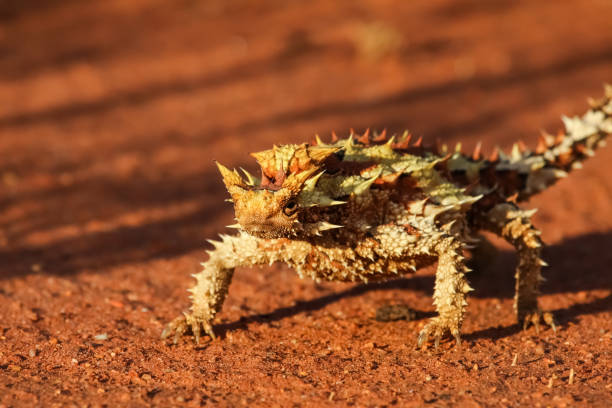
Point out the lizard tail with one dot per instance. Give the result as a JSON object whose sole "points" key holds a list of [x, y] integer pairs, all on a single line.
{"points": [[555, 157]]}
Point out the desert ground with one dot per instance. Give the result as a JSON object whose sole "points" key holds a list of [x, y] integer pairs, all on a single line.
{"points": [[112, 114]]}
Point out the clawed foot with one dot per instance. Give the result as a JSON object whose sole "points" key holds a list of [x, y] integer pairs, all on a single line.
{"points": [[534, 318], [185, 322], [436, 328]]}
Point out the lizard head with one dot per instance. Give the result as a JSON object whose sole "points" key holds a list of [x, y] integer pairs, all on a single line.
{"points": [[273, 206]]}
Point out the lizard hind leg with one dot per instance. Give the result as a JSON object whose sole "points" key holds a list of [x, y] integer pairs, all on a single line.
{"points": [[515, 226]]}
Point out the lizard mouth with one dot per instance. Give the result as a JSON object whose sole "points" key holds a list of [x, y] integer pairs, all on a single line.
{"points": [[268, 229], [262, 231], [262, 226]]}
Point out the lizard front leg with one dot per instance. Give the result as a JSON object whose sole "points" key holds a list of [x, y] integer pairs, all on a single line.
{"points": [[213, 281], [515, 226], [449, 293]]}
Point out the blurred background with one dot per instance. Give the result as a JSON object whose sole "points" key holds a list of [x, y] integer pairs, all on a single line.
{"points": [[113, 111]]}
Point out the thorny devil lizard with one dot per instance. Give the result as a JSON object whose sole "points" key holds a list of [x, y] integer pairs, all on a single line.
{"points": [[369, 208]]}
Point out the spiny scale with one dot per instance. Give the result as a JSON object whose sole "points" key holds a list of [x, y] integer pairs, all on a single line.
{"points": [[373, 206]]}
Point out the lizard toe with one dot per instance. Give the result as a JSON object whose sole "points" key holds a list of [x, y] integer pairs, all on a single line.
{"points": [[187, 322], [437, 328], [536, 316]]}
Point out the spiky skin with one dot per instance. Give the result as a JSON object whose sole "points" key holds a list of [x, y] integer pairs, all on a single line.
{"points": [[371, 208]]}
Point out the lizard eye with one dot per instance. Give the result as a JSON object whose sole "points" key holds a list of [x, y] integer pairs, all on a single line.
{"points": [[290, 208]]}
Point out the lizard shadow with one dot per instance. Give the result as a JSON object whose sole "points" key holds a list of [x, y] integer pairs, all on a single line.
{"points": [[586, 253], [419, 283], [578, 264]]}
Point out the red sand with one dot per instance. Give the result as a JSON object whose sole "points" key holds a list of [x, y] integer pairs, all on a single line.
{"points": [[112, 113]]}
